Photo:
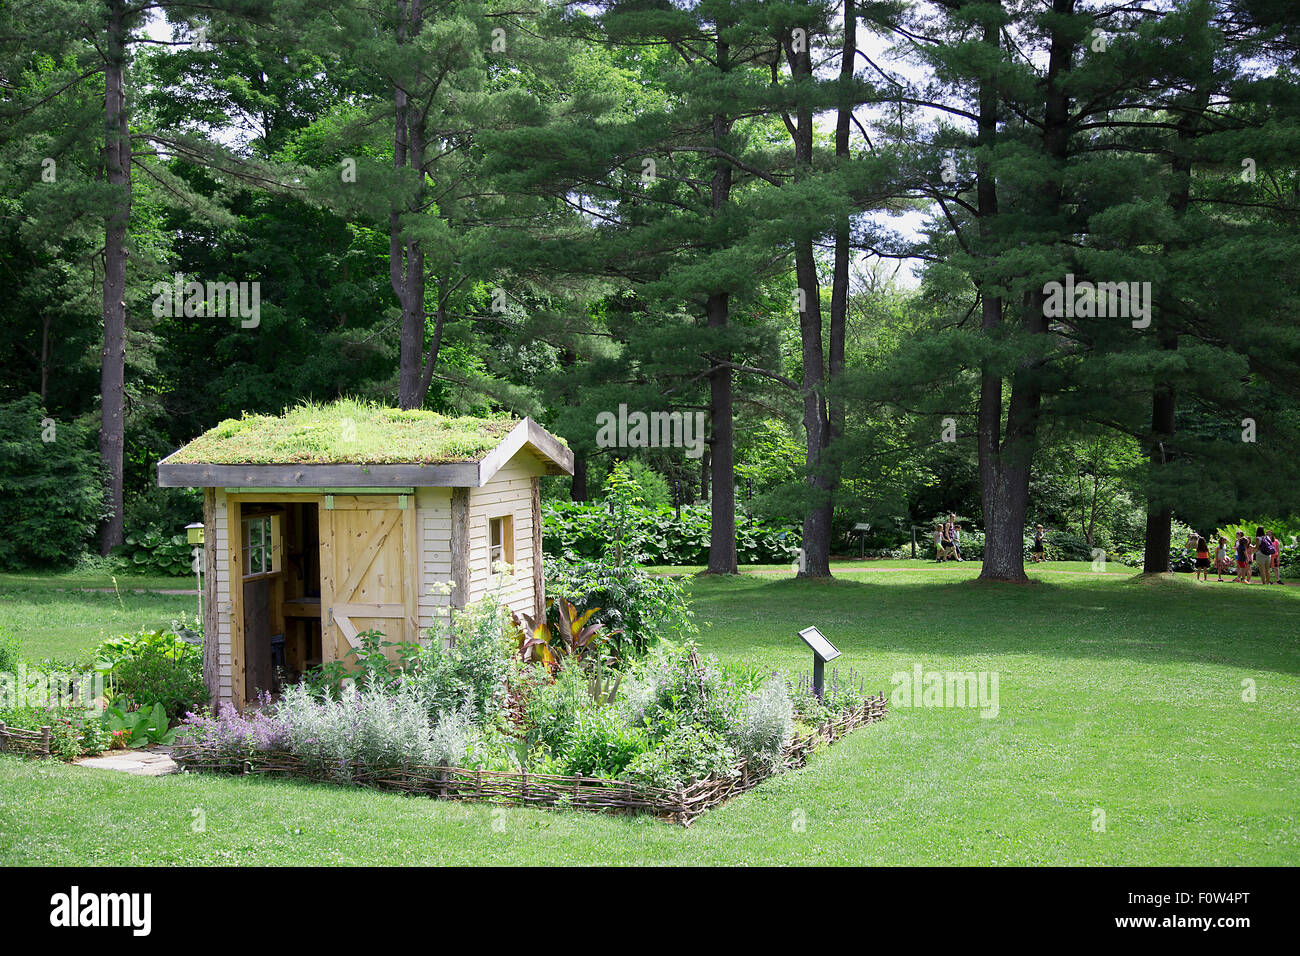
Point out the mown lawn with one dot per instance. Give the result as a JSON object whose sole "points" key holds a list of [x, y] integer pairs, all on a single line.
{"points": [[1115, 695], [61, 616]]}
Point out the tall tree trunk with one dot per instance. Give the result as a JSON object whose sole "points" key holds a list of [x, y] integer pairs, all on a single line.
{"points": [[817, 560], [45, 356], [722, 508], [818, 511], [1164, 394], [1160, 517], [405, 255], [112, 359], [1003, 557], [1004, 484], [578, 486]]}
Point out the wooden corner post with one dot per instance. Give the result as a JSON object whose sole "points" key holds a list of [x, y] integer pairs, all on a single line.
{"points": [[539, 581], [211, 618], [460, 547]]}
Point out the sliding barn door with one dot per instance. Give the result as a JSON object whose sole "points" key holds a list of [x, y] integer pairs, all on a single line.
{"points": [[367, 571]]}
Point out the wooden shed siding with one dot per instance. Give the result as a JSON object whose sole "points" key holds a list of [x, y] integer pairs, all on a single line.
{"points": [[434, 561], [509, 492], [224, 652]]}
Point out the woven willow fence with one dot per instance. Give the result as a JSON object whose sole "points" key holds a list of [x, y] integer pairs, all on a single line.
{"points": [[33, 743], [535, 789]]}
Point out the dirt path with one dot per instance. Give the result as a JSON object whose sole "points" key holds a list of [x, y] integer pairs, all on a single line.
{"points": [[178, 591]]}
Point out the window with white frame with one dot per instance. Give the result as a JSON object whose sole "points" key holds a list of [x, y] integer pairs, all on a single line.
{"points": [[260, 534], [501, 541]]}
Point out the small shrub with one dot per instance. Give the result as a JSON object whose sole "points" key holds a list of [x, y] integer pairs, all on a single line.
{"points": [[152, 675], [466, 664], [550, 708], [233, 735], [451, 739], [766, 723], [689, 687], [601, 744], [77, 735], [688, 752], [366, 726], [637, 608]]}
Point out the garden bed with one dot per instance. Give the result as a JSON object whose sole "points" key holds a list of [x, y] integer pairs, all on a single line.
{"points": [[522, 788]]}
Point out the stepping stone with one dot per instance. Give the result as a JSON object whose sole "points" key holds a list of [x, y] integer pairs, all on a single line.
{"points": [[146, 762]]}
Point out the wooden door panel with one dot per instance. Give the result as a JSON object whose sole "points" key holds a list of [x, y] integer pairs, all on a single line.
{"points": [[366, 586]]}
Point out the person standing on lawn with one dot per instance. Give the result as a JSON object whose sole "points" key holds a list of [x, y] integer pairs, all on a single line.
{"points": [[1277, 558], [954, 536], [939, 548], [1221, 556], [1243, 559], [1264, 555], [1202, 559], [1040, 543]]}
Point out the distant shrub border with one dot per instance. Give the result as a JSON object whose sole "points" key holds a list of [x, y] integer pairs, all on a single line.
{"points": [[580, 532], [521, 788]]}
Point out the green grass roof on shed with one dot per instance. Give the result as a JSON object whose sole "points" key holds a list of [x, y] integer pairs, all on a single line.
{"points": [[346, 432]]}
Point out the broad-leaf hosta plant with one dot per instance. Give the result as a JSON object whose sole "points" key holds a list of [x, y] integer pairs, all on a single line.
{"points": [[139, 728]]}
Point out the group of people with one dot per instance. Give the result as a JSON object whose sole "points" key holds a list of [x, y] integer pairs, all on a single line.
{"points": [[947, 539], [1262, 551]]}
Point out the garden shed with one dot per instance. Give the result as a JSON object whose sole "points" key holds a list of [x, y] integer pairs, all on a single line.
{"points": [[325, 522]]}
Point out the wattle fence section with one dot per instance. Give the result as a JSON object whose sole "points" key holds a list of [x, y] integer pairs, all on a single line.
{"points": [[32, 743]]}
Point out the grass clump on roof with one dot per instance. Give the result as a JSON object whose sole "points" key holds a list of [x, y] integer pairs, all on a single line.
{"points": [[346, 432]]}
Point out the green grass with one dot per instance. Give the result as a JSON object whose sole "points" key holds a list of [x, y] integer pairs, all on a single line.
{"points": [[1116, 694], [346, 431], [55, 618]]}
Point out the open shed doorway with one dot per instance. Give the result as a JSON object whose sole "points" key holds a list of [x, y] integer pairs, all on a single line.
{"points": [[281, 591]]}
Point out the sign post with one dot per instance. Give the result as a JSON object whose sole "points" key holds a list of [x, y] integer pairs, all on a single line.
{"points": [[194, 535], [862, 528], [823, 651]]}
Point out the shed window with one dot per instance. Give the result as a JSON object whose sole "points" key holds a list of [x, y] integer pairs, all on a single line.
{"points": [[501, 541], [260, 534]]}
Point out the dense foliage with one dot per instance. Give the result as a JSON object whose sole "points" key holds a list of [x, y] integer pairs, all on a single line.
{"points": [[50, 486], [555, 233], [580, 532]]}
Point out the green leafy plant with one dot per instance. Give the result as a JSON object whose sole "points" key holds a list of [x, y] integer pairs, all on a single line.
{"points": [[157, 669], [466, 663], [141, 727], [686, 753], [601, 744], [157, 549], [636, 608], [580, 532]]}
